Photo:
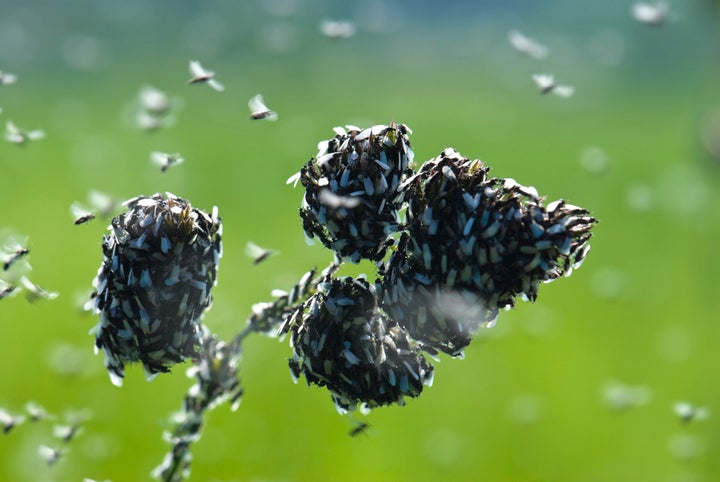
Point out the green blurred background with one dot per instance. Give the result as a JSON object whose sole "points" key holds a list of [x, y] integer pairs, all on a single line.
{"points": [[529, 401]]}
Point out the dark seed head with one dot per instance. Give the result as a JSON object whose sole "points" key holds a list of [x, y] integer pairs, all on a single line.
{"points": [[472, 245], [160, 262], [351, 189], [343, 342]]}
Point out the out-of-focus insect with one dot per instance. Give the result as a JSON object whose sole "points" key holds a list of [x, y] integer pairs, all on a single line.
{"points": [[332, 200], [6, 290], [164, 160], [33, 292], [154, 101], [546, 83], [66, 432], [688, 412], [526, 45], [620, 397], [81, 214], [49, 455], [6, 78], [257, 253], [258, 109], [9, 421], [12, 254], [16, 136], [102, 205], [202, 76], [149, 122], [337, 29], [36, 412], [653, 14], [360, 428]]}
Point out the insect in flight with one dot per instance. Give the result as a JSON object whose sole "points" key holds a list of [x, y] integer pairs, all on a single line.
{"points": [[653, 14], [102, 205], [337, 29], [546, 83], [257, 253], [50, 455], [36, 412], [154, 101], [360, 428], [35, 292], [81, 214], [6, 290], [164, 160], [688, 412], [258, 109], [9, 421], [200, 75], [12, 255], [17, 136], [526, 45], [6, 78]]}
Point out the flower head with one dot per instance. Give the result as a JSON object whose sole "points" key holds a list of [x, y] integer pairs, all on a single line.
{"points": [[472, 245], [350, 201], [342, 341], [160, 262]]}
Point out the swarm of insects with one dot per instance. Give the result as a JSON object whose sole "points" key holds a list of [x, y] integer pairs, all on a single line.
{"points": [[160, 261]]}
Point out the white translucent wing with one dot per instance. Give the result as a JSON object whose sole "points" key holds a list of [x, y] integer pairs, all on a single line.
{"points": [[216, 85], [78, 210], [154, 100], [293, 179], [36, 291], [49, 454], [12, 133], [257, 104], [544, 81], [35, 135], [36, 411], [5, 418], [526, 45], [101, 201], [253, 250], [147, 122], [8, 79], [649, 13], [197, 70], [564, 90], [160, 159], [337, 29]]}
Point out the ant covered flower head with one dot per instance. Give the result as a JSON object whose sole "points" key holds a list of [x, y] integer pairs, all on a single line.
{"points": [[351, 189], [342, 341], [472, 245], [160, 261]]}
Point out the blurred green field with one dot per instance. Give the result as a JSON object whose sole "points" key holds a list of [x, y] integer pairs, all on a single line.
{"points": [[528, 401]]}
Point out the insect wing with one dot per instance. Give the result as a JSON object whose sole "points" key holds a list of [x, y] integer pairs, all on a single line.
{"points": [[564, 90], [257, 104], [545, 82], [197, 70], [217, 86]]}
